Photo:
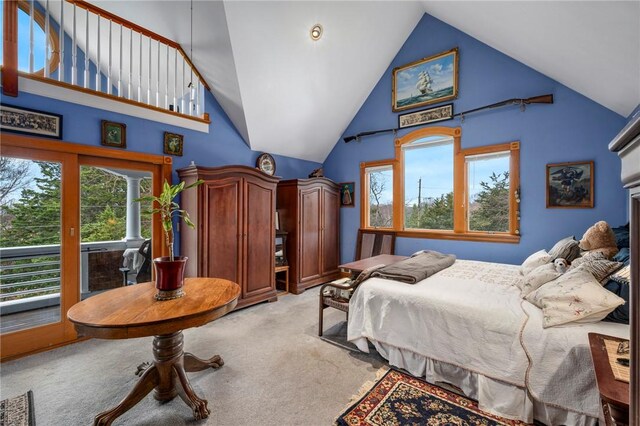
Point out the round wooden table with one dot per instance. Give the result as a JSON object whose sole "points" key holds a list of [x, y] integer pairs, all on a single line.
{"points": [[133, 311]]}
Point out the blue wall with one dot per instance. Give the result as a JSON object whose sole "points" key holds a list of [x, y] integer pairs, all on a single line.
{"points": [[222, 145], [574, 128]]}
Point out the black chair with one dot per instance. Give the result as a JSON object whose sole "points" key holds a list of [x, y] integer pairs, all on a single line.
{"points": [[144, 272]]}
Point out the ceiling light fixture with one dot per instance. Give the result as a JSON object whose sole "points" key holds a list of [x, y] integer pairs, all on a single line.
{"points": [[316, 32]]}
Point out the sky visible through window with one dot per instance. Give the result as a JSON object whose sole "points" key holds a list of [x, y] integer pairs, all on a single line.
{"points": [[479, 169], [23, 41], [433, 164]]}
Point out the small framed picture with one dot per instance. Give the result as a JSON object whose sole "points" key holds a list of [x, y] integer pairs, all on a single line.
{"points": [[173, 143], [425, 116], [570, 185], [30, 121], [114, 134], [347, 193]]}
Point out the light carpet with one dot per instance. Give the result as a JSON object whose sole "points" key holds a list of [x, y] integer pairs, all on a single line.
{"points": [[277, 372]]}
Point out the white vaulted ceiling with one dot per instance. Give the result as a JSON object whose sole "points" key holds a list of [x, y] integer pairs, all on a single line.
{"points": [[291, 96]]}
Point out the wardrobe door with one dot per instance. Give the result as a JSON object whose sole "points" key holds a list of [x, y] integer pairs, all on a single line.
{"points": [[259, 238], [330, 231], [222, 233], [309, 230]]}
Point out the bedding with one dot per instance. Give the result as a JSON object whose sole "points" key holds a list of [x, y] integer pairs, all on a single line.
{"points": [[538, 258], [416, 268], [468, 325]]}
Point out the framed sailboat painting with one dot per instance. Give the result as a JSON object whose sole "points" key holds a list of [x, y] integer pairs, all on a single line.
{"points": [[426, 81]]}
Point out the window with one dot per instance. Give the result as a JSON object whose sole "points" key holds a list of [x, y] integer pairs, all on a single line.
{"points": [[488, 192], [39, 46], [442, 191], [428, 183], [377, 186]]}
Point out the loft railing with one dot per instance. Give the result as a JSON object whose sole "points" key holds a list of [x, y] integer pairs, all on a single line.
{"points": [[89, 49]]}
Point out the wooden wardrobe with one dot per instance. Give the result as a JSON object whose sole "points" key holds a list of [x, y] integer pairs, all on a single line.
{"points": [[234, 212], [309, 211]]}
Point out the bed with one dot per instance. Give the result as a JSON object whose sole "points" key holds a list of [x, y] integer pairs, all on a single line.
{"points": [[467, 325]]}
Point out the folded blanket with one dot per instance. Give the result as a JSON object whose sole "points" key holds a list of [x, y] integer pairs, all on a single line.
{"points": [[412, 270]]}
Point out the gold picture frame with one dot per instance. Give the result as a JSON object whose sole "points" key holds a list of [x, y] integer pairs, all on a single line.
{"points": [[426, 81], [173, 144]]}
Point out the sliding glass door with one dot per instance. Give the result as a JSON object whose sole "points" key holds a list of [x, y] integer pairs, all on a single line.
{"points": [[37, 240], [69, 229]]}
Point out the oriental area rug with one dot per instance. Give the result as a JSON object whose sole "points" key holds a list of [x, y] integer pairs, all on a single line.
{"points": [[401, 399], [18, 411]]}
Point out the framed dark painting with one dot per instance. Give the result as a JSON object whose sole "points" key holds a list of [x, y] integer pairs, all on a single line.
{"points": [[347, 194], [570, 185], [173, 143], [114, 134]]}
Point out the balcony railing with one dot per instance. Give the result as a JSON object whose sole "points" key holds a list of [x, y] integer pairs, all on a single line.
{"points": [[91, 50]]}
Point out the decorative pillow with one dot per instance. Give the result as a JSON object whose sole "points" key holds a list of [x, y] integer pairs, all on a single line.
{"points": [[566, 248], [622, 256], [538, 277], [622, 236], [599, 268], [623, 276], [538, 258], [621, 313], [575, 297]]}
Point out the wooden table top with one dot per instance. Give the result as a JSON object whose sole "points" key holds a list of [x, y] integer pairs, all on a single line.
{"points": [[611, 390], [361, 265], [133, 311]]}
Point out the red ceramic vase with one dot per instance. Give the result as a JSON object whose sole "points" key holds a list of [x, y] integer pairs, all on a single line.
{"points": [[169, 276]]}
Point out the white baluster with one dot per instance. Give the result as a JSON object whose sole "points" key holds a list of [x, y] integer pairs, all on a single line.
{"points": [[175, 80], [197, 97], [158, 78], [61, 43], [140, 72], [47, 47], [120, 64], [149, 76], [74, 51], [110, 63], [98, 71], [31, 54], [130, 90], [182, 87], [86, 51], [166, 92]]}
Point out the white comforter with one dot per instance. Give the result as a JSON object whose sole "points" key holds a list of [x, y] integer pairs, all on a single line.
{"points": [[471, 315]]}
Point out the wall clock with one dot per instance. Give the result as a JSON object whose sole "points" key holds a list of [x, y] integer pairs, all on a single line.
{"points": [[266, 164]]}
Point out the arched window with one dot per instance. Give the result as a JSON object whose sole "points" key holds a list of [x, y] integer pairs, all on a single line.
{"points": [[39, 45]]}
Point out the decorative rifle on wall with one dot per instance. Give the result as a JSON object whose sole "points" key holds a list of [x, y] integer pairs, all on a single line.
{"points": [[543, 99]]}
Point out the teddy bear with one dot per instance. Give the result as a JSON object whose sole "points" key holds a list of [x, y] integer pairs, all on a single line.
{"points": [[599, 239]]}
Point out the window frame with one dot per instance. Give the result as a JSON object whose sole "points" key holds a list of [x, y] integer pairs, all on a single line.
{"points": [[364, 191], [460, 226]]}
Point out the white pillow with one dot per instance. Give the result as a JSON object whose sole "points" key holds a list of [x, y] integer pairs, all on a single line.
{"points": [[538, 277], [574, 297], [538, 258]]}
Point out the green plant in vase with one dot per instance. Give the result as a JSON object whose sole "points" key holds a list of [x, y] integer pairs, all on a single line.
{"points": [[169, 269]]}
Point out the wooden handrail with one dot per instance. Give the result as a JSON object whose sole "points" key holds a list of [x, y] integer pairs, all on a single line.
{"points": [[10, 48], [137, 28]]}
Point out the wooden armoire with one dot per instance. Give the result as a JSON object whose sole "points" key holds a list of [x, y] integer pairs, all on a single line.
{"points": [[309, 211], [234, 212]]}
